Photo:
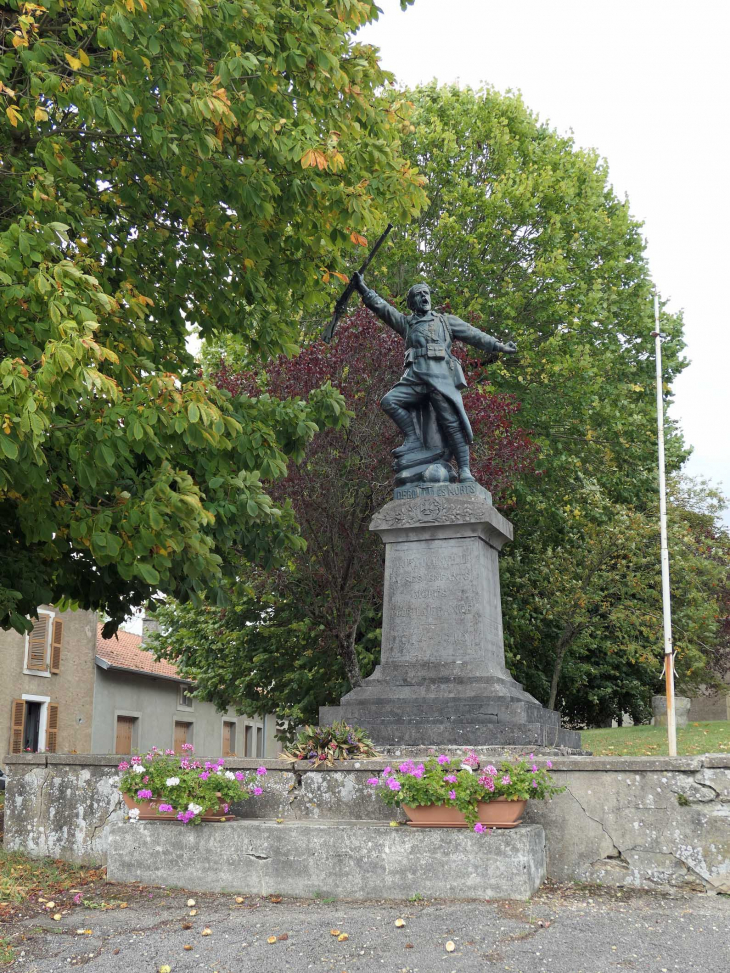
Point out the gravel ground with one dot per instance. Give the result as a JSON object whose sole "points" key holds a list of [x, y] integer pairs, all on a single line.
{"points": [[564, 929]]}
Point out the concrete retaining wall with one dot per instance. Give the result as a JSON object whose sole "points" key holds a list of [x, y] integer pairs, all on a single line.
{"points": [[637, 821]]}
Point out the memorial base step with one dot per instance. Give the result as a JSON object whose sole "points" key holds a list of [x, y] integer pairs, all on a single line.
{"points": [[356, 860]]}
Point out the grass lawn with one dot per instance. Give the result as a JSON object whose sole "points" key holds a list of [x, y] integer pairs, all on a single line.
{"points": [[651, 741]]}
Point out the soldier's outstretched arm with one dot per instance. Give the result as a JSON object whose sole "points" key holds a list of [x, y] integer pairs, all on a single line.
{"points": [[479, 339], [386, 312]]}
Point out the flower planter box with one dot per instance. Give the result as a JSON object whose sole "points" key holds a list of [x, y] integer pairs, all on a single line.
{"points": [[148, 811], [499, 813]]}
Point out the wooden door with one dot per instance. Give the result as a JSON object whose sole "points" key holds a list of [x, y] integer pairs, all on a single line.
{"points": [[125, 725], [181, 735], [248, 748], [227, 746]]}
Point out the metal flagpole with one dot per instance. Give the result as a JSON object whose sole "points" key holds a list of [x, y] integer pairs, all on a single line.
{"points": [[666, 603]]}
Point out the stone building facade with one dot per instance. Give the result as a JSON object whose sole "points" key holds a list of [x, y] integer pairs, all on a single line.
{"points": [[65, 689]]}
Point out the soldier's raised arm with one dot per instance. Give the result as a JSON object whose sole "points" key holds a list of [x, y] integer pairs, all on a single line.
{"points": [[479, 339], [386, 312]]}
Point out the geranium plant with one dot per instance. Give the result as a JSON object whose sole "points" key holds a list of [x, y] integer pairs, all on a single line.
{"points": [[186, 785], [322, 745], [460, 783]]}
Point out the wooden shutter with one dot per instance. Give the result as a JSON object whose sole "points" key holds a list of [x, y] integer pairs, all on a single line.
{"points": [[17, 725], [38, 645], [52, 728], [56, 643], [181, 735]]}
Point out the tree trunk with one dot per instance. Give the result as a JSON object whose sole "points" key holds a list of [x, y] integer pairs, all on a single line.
{"points": [[566, 637], [346, 646]]}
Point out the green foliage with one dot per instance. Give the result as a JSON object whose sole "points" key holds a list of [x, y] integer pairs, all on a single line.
{"points": [[458, 783], [194, 788], [322, 745], [167, 166], [525, 236]]}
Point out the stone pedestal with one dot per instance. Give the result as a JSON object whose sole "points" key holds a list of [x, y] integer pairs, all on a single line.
{"points": [[442, 678]]}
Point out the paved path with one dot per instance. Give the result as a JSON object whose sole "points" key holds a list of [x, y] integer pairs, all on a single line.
{"points": [[563, 930]]}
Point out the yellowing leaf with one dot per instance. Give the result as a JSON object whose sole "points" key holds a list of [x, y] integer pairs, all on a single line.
{"points": [[40, 115], [84, 58], [73, 61], [13, 114], [57, 917], [360, 240], [308, 159], [343, 277]]}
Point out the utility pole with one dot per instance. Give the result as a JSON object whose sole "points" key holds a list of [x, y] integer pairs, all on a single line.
{"points": [[666, 599]]}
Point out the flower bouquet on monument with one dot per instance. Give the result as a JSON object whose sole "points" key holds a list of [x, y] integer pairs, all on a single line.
{"points": [[457, 792], [323, 745], [164, 786]]}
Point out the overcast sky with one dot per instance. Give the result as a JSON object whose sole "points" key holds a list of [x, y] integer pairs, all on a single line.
{"points": [[646, 84]]}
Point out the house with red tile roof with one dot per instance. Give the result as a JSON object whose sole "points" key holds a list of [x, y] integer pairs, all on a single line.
{"points": [[64, 688]]}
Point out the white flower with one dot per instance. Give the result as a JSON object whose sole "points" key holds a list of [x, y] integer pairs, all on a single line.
{"points": [[195, 808], [134, 814], [138, 769], [172, 781], [219, 771], [468, 769], [230, 775]]}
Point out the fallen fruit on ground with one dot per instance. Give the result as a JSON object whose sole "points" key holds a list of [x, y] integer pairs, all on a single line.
{"points": [[206, 932], [191, 902], [342, 937], [450, 947], [400, 923], [271, 939]]}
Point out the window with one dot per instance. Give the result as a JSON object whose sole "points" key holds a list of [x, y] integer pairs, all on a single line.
{"points": [[259, 741], [229, 738], [33, 725], [184, 701], [38, 645]]}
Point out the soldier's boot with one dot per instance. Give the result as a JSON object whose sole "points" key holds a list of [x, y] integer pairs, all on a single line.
{"points": [[407, 425], [461, 455]]}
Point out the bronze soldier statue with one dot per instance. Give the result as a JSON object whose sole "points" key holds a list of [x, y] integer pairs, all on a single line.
{"points": [[426, 404]]}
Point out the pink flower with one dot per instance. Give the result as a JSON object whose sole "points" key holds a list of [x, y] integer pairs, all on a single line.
{"points": [[144, 795], [534, 768], [145, 779], [479, 828], [407, 768], [261, 771], [532, 756], [443, 759], [419, 771], [387, 772], [373, 781], [225, 808], [240, 775], [549, 764], [185, 764], [471, 760], [165, 808], [506, 780], [204, 775], [393, 784], [136, 760], [187, 746], [487, 782], [169, 753], [492, 770], [123, 765], [450, 779], [258, 790], [534, 783], [452, 795], [77, 899], [221, 761]]}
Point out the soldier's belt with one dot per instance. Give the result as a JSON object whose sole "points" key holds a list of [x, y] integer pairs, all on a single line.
{"points": [[430, 351]]}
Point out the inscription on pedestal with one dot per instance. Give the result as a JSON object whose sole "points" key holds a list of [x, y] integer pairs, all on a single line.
{"points": [[432, 609]]}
